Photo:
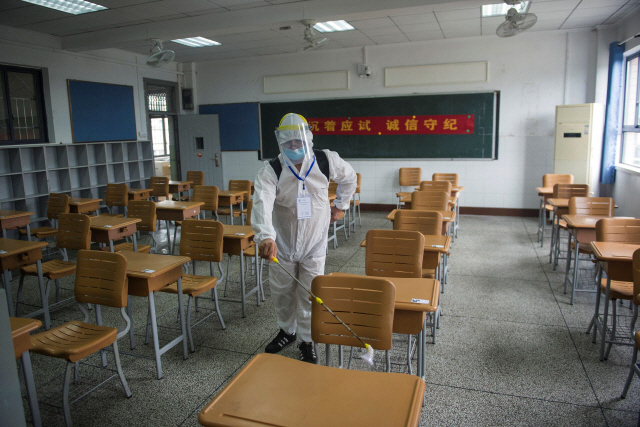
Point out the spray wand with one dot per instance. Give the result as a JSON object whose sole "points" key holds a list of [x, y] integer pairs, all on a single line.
{"points": [[368, 356]]}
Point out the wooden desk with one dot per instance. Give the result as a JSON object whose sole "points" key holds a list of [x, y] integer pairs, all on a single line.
{"points": [[146, 274], [582, 228], [236, 239], [83, 206], [180, 186], [20, 333], [10, 220], [140, 194], [107, 229], [231, 198], [616, 259], [266, 392], [176, 211], [408, 316], [19, 253]]}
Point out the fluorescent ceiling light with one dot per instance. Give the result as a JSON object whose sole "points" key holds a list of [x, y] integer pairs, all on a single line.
{"points": [[196, 42], [331, 26], [75, 7], [502, 8]]}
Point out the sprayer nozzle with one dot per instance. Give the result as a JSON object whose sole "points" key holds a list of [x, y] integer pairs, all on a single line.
{"points": [[274, 259], [318, 300], [368, 355]]}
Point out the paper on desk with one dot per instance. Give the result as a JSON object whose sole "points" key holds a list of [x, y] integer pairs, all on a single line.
{"points": [[148, 271], [437, 246], [108, 226], [239, 234], [420, 301], [3, 252]]}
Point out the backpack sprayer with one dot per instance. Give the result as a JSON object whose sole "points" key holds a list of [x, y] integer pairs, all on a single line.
{"points": [[368, 356]]}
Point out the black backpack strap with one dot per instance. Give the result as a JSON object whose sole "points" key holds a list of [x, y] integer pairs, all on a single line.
{"points": [[323, 162], [277, 166]]}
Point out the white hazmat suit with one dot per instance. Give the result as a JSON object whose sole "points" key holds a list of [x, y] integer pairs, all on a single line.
{"points": [[301, 243]]}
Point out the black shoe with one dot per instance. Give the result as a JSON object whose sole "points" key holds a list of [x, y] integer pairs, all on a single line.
{"points": [[282, 340], [307, 352]]}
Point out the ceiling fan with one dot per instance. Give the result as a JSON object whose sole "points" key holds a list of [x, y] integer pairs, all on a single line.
{"points": [[310, 35], [159, 56], [515, 22]]}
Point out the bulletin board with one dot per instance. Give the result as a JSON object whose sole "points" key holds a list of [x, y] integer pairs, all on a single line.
{"points": [[101, 112], [451, 126], [239, 125]]}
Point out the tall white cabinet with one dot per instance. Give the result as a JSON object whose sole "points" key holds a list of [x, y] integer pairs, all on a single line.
{"points": [[578, 143]]}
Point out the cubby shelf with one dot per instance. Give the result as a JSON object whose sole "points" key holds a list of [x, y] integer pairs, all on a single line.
{"points": [[29, 173]]}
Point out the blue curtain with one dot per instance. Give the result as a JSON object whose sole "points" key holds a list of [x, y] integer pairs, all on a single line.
{"points": [[613, 117]]}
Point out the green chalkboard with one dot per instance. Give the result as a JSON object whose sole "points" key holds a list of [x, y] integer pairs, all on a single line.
{"points": [[482, 143]]}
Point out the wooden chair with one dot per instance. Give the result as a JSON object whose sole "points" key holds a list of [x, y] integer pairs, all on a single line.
{"points": [[549, 181], [159, 187], [451, 177], [394, 253], [594, 206], [101, 279], [431, 201], [408, 177], [428, 223], [562, 191], [146, 211], [365, 304], [207, 195], [635, 368], [73, 233], [238, 185], [58, 204], [116, 195], [201, 241], [354, 397], [620, 230], [197, 178], [355, 203], [436, 186]]}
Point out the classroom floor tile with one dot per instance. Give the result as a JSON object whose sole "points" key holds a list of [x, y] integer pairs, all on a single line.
{"points": [[511, 349]]}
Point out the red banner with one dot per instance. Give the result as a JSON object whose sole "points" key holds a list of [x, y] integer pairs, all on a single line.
{"points": [[393, 125]]}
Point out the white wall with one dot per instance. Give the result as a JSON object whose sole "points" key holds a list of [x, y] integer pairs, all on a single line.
{"points": [[534, 71], [30, 49]]}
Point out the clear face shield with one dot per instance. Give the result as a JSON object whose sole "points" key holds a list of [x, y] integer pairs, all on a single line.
{"points": [[295, 142]]}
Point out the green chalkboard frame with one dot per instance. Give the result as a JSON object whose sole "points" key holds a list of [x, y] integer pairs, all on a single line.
{"points": [[482, 144]]}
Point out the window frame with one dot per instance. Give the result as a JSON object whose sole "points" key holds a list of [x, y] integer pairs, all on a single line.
{"points": [[635, 127], [40, 99]]}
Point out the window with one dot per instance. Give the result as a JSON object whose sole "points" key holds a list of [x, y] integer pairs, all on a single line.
{"points": [[631, 114], [160, 136], [22, 118]]}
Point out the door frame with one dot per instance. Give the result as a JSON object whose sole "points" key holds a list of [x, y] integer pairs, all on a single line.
{"points": [[173, 116]]}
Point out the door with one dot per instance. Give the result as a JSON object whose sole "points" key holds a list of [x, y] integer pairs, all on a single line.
{"points": [[199, 142]]}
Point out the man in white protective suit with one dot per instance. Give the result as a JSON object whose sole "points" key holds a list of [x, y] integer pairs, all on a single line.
{"points": [[291, 215]]}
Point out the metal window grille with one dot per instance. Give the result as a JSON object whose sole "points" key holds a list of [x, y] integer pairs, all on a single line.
{"points": [[160, 99]]}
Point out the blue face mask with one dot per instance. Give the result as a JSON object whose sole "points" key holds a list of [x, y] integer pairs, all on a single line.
{"points": [[294, 155]]}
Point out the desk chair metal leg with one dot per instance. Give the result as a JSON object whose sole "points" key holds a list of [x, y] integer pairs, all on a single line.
{"points": [[552, 236], [168, 238], [593, 323], [566, 272], [154, 327], [25, 361], [603, 333], [576, 269], [6, 284], [214, 296], [132, 338], [633, 371], [242, 284]]}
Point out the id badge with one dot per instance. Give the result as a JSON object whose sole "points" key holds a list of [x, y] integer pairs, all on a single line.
{"points": [[303, 204]]}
